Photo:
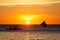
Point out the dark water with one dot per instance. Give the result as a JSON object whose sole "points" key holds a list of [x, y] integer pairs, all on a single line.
{"points": [[51, 32], [29, 27]]}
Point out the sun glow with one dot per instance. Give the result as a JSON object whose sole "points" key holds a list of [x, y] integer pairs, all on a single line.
{"points": [[31, 19], [27, 17], [27, 22]]}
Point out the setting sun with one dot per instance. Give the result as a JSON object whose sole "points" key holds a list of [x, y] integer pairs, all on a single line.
{"points": [[27, 22]]}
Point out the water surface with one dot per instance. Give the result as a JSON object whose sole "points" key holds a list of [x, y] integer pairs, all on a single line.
{"points": [[42, 35]]}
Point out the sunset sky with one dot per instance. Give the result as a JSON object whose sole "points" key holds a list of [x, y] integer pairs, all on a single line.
{"points": [[34, 11]]}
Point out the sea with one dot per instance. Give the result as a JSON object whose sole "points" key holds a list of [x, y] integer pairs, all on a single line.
{"points": [[48, 34]]}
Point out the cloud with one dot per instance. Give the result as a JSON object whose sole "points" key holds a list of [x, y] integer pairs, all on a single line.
{"points": [[52, 9]]}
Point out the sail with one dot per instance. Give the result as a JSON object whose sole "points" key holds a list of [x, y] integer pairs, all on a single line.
{"points": [[43, 24]]}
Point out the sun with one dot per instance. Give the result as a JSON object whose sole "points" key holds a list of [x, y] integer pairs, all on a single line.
{"points": [[27, 22]]}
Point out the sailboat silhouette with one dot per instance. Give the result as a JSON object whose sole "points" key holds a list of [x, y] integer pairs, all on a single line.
{"points": [[43, 24]]}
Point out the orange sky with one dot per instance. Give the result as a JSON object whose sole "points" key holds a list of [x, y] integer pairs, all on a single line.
{"points": [[34, 11]]}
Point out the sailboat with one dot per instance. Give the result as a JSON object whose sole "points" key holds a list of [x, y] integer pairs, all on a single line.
{"points": [[44, 24]]}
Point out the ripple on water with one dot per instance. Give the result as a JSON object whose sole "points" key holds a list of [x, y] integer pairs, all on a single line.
{"points": [[29, 36]]}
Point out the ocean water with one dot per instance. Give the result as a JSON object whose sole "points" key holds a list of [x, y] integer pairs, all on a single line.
{"points": [[51, 32], [42, 35]]}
